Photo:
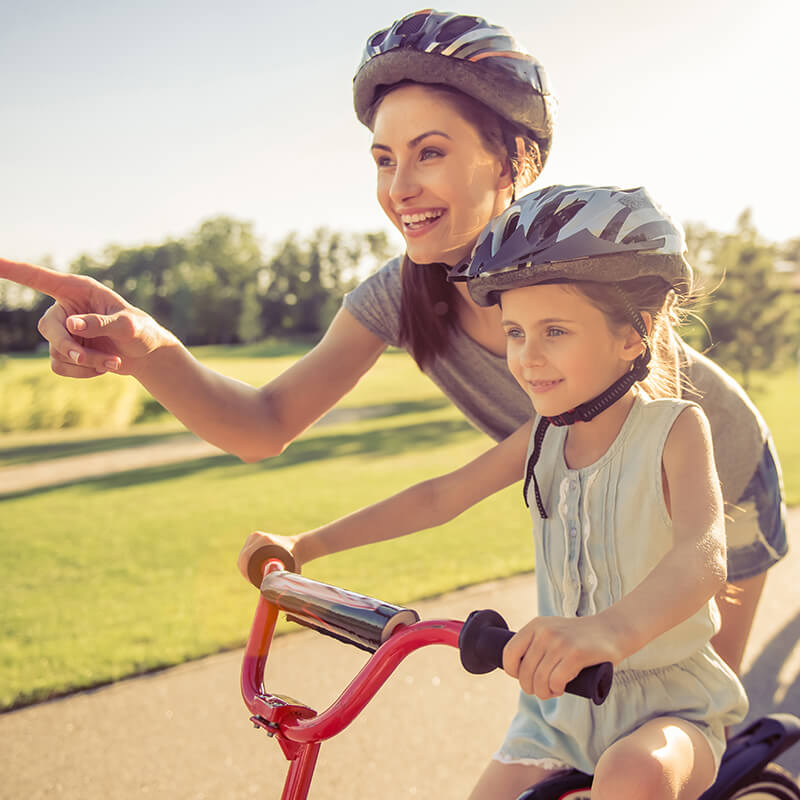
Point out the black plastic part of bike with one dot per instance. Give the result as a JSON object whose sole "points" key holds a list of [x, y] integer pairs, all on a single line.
{"points": [[255, 564], [354, 618], [481, 644], [751, 750], [557, 786]]}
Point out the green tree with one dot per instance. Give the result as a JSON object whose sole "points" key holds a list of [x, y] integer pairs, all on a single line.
{"points": [[751, 314], [306, 280], [251, 327]]}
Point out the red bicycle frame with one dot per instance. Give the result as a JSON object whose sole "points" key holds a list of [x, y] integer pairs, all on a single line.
{"points": [[299, 729], [388, 632]]}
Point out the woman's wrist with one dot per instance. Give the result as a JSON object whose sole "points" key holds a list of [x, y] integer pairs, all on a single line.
{"points": [[165, 354]]}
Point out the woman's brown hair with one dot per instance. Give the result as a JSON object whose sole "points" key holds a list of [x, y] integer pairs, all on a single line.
{"points": [[428, 307]]}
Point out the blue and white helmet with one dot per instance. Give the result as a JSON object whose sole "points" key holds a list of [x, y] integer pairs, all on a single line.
{"points": [[466, 53], [599, 233]]}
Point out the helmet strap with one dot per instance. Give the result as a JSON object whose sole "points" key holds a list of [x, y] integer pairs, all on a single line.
{"points": [[588, 410], [513, 154]]}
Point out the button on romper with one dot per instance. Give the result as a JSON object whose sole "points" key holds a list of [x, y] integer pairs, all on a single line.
{"points": [[607, 529]]}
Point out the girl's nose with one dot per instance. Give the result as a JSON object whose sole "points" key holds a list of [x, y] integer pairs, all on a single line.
{"points": [[531, 354]]}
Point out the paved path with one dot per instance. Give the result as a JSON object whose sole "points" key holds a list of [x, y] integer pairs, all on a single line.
{"points": [[175, 449], [183, 734]]}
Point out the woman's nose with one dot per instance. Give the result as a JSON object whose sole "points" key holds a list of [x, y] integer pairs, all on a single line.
{"points": [[405, 184]]}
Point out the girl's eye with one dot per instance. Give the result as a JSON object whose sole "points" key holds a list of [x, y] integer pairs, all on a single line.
{"points": [[555, 332], [514, 333], [383, 161]]}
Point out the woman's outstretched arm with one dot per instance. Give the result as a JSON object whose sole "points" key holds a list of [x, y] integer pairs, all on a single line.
{"points": [[93, 330]]}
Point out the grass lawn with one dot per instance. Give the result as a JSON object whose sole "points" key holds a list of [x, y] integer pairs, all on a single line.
{"points": [[128, 573]]}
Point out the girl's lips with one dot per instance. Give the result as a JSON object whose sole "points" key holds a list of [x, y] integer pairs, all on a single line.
{"points": [[540, 387]]}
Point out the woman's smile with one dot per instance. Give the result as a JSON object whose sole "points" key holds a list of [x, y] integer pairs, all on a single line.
{"points": [[437, 181], [418, 222]]}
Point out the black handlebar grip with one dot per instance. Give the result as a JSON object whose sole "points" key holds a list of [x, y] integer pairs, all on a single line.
{"points": [[481, 643], [255, 564]]}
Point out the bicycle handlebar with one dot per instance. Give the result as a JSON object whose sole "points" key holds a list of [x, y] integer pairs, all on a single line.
{"points": [[484, 636], [367, 622], [354, 618]]}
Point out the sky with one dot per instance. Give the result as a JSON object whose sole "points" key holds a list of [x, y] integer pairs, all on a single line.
{"points": [[129, 122]]}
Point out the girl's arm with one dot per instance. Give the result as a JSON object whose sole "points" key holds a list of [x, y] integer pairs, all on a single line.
{"points": [[695, 568], [424, 505], [548, 652], [92, 329]]}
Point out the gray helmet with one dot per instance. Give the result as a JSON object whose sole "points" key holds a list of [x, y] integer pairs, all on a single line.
{"points": [[599, 233], [463, 52]]}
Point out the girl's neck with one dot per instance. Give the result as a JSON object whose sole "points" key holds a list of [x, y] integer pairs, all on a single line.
{"points": [[587, 442], [480, 323]]}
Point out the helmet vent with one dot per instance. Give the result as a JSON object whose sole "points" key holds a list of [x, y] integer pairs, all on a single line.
{"points": [[549, 224], [511, 226], [378, 38], [450, 31], [411, 25]]}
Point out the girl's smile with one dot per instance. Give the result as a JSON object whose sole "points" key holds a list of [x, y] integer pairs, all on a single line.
{"points": [[540, 387], [560, 348]]}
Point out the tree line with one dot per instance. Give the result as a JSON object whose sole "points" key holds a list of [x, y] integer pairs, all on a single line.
{"points": [[216, 286]]}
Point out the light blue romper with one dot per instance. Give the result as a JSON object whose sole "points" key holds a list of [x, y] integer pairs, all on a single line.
{"points": [[608, 527]]}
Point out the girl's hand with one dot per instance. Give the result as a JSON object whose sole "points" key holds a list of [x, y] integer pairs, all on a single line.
{"points": [[257, 540], [549, 652], [91, 329]]}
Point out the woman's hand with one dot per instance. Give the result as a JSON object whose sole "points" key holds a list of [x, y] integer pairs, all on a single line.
{"points": [[549, 652], [91, 329], [256, 540]]}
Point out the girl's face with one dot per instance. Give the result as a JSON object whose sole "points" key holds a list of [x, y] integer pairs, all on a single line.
{"points": [[559, 346], [437, 182]]}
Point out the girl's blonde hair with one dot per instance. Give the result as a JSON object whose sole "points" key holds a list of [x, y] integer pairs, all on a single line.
{"points": [[665, 308]]}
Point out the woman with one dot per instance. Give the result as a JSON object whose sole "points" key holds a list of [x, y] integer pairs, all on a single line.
{"points": [[462, 119]]}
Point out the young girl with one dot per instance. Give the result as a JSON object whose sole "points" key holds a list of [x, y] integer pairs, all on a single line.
{"points": [[462, 119], [625, 500]]}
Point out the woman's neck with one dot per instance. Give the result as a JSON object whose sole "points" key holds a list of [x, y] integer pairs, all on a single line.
{"points": [[589, 441], [480, 323]]}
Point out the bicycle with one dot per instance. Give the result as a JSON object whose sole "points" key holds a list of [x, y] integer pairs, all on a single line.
{"points": [[390, 633]]}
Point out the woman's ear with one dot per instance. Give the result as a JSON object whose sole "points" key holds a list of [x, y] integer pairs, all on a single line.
{"points": [[509, 173]]}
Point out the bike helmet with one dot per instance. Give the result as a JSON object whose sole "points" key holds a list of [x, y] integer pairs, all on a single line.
{"points": [[573, 233], [463, 52], [599, 233]]}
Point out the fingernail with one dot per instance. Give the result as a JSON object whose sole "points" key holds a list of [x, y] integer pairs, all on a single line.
{"points": [[78, 324], [75, 356], [110, 364]]}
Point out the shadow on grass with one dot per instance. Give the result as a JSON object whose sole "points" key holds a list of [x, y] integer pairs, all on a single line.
{"points": [[384, 442], [32, 454]]}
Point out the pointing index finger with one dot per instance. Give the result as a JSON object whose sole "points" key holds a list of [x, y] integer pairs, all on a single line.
{"points": [[47, 281]]}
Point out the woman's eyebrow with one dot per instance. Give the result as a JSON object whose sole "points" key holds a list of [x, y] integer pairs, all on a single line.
{"points": [[413, 142]]}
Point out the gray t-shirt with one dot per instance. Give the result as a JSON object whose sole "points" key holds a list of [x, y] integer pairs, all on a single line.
{"points": [[479, 383]]}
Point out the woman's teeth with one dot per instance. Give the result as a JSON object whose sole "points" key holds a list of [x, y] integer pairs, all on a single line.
{"points": [[423, 217]]}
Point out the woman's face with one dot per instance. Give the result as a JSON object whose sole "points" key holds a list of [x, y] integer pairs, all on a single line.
{"points": [[437, 182]]}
